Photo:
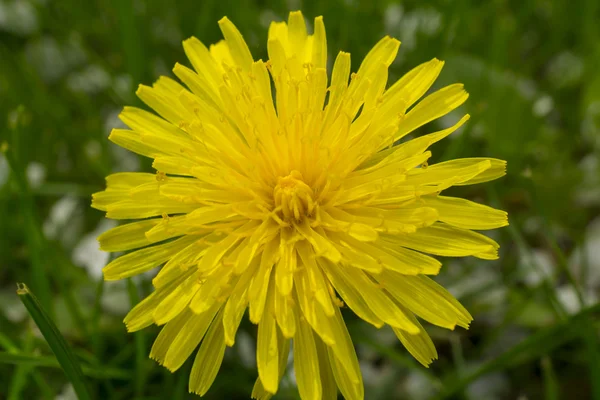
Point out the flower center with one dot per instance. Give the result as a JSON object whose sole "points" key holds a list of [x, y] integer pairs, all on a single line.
{"points": [[293, 197]]}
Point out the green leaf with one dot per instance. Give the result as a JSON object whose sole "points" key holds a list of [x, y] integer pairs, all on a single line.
{"points": [[57, 342]]}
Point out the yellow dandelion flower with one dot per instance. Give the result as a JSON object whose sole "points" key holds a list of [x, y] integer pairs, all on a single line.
{"points": [[292, 206]]}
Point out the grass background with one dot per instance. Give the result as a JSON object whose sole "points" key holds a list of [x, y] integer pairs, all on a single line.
{"points": [[68, 67]]}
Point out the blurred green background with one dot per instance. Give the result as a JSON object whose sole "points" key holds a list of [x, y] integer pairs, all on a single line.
{"points": [[68, 67]]}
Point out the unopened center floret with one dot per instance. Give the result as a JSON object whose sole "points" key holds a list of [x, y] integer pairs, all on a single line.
{"points": [[293, 197]]}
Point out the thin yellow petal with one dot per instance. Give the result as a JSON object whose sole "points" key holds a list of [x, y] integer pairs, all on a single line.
{"points": [[284, 271], [188, 338], [344, 351], [208, 359], [127, 237], [177, 300], [449, 241], [466, 214], [351, 295], [409, 148], [427, 299], [432, 107], [163, 98], [143, 121], [352, 389], [496, 169], [328, 383], [267, 352], [237, 45], [258, 391], [378, 301], [144, 260], [312, 311], [167, 335], [142, 315], [319, 48], [306, 362], [414, 84], [257, 292], [132, 141], [419, 345], [202, 61], [237, 303], [285, 314]]}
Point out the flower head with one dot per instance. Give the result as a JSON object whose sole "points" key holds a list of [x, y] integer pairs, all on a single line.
{"points": [[292, 206]]}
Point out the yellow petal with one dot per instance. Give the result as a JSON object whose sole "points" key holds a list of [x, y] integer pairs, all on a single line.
{"points": [[427, 299], [181, 262], [339, 85], [378, 301], [222, 56], [259, 392], [312, 310], [257, 292], [306, 362], [432, 107], [319, 48], [188, 338], [208, 359], [344, 352], [284, 271], [328, 384], [128, 236], [414, 84], [466, 214], [163, 98], [145, 122], [285, 314], [383, 52], [207, 94], [237, 45], [142, 315], [408, 262], [351, 295], [144, 260], [173, 165], [496, 170], [177, 300], [350, 383], [322, 246], [236, 305], [409, 148], [315, 279], [202, 61], [155, 206], [132, 141], [267, 352], [419, 345], [449, 241], [214, 290], [297, 32], [167, 335]]}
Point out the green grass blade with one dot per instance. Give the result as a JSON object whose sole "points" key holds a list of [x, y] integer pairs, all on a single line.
{"points": [[56, 341], [141, 354], [32, 360], [21, 375], [592, 344], [551, 387], [34, 237], [536, 345]]}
